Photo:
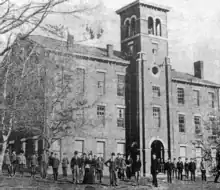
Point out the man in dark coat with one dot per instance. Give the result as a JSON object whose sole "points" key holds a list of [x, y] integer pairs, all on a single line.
{"points": [[180, 168], [186, 168], [56, 163], [169, 168], [154, 170], [218, 173], [192, 169], [111, 163], [75, 165]]}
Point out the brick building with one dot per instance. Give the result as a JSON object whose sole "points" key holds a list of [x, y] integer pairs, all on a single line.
{"points": [[100, 75], [165, 107], [160, 109]]}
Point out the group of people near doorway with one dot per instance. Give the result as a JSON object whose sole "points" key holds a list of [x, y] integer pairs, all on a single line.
{"points": [[174, 169], [86, 169]]}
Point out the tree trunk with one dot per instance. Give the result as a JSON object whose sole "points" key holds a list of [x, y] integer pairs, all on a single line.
{"points": [[4, 146]]}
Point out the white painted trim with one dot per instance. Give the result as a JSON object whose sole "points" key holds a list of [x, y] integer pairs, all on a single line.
{"points": [[183, 145], [122, 141], [101, 70], [81, 67], [181, 113], [120, 106], [127, 19], [101, 104], [120, 73], [11, 142], [197, 114], [156, 138], [130, 43], [100, 140], [79, 139], [22, 140], [35, 137], [134, 16], [154, 42]]}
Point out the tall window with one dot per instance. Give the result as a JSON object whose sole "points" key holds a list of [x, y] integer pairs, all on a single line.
{"points": [[196, 97], [121, 148], [180, 96], [80, 79], [79, 146], [197, 122], [182, 151], [101, 149], [181, 119], [211, 100], [156, 91], [121, 85], [101, 83], [156, 116], [127, 29], [158, 27], [131, 50], [101, 113], [120, 117], [150, 25], [133, 26]]}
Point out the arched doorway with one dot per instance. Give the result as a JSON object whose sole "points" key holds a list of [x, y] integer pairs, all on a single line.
{"points": [[157, 148]]}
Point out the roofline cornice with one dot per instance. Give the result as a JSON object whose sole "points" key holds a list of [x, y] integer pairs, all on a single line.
{"points": [[195, 83], [142, 2], [90, 57], [124, 62]]}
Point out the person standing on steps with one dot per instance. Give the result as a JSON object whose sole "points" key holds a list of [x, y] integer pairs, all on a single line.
{"points": [[111, 163], [154, 170], [137, 168], [180, 169], [203, 169], [186, 168], [169, 169], [192, 169]]}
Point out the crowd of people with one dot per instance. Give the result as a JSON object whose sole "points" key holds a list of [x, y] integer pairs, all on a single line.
{"points": [[86, 169], [174, 169]]}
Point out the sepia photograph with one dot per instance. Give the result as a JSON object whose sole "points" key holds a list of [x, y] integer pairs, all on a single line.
{"points": [[104, 95]]}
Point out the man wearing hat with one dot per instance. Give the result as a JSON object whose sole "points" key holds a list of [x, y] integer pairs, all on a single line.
{"points": [[75, 164], [111, 163]]}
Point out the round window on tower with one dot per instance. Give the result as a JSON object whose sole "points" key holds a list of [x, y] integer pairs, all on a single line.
{"points": [[155, 70]]}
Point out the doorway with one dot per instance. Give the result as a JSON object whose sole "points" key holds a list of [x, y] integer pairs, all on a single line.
{"points": [[157, 148]]}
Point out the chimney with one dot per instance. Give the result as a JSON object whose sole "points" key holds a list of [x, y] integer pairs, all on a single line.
{"points": [[109, 50], [198, 69], [70, 41]]}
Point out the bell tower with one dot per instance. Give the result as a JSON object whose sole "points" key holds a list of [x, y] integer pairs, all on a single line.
{"points": [[144, 41]]}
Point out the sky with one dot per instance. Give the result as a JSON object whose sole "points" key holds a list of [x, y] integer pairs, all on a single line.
{"points": [[194, 33], [193, 30]]}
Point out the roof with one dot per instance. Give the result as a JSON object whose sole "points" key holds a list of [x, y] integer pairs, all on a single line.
{"points": [[146, 3], [189, 78], [84, 50]]}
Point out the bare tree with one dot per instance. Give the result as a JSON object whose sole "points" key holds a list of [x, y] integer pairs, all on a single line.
{"points": [[28, 107], [24, 19]]}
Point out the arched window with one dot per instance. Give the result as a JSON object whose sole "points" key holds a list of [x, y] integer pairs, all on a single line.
{"points": [[127, 28], [158, 27], [133, 26], [150, 25]]}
